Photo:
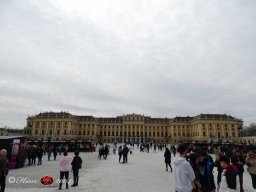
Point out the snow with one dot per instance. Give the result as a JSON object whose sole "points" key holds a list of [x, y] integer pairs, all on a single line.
{"points": [[145, 172]]}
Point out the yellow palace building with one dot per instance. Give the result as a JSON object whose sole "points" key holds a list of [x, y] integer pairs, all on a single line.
{"points": [[133, 128]]}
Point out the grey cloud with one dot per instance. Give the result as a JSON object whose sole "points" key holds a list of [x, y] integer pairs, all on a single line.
{"points": [[160, 58]]}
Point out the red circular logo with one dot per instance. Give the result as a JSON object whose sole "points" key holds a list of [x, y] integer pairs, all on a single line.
{"points": [[46, 180]]}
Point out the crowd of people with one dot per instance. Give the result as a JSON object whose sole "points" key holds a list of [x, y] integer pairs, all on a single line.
{"points": [[34, 152], [103, 151], [34, 156], [192, 166], [145, 147], [193, 170]]}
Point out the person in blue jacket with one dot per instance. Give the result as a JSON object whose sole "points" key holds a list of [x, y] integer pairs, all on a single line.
{"points": [[206, 173]]}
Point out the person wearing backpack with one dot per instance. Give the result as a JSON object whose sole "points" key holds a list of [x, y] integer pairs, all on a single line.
{"points": [[76, 165], [229, 177]]}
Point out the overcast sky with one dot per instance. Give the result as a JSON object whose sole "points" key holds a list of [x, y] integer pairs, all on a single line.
{"points": [[162, 58]]}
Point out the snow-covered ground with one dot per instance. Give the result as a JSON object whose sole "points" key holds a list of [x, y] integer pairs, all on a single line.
{"points": [[145, 172]]}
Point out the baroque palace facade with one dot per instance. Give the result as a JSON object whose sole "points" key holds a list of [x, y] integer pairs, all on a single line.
{"points": [[133, 127]]}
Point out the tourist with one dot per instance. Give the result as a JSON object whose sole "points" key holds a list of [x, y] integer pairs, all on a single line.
{"points": [[55, 152], [64, 169], [120, 153], [106, 151], [60, 149], [238, 160], [3, 169], [125, 154], [101, 151], [114, 148], [218, 155], [194, 161], [76, 165], [251, 163], [206, 167], [40, 155], [147, 146], [183, 173], [29, 155], [141, 148], [49, 153], [34, 154], [131, 150], [167, 156], [154, 151], [173, 150], [229, 178]]}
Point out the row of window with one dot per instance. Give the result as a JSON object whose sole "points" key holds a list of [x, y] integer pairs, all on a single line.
{"points": [[105, 133], [131, 126], [133, 140], [65, 124], [204, 125], [196, 134], [51, 125], [129, 134], [132, 134]]}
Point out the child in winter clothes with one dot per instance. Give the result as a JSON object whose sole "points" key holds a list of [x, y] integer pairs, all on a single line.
{"points": [[229, 178]]}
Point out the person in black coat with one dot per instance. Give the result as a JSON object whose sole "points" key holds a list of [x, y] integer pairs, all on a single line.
{"points": [[125, 154], [174, 150], [101, 151], [55, 153], [40, 155], [167, 155], [34, 155], [29, 155], [238, 160], [76, 165], [194, 160], [106, 151], [120, 153]]}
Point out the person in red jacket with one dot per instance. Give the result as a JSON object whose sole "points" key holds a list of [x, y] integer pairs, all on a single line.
{"points": [[229, 177]]}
